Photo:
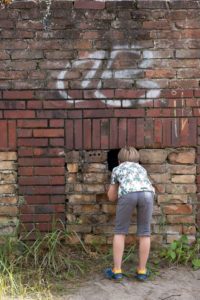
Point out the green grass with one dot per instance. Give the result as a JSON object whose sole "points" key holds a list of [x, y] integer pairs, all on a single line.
{"points": [[51, 265]]}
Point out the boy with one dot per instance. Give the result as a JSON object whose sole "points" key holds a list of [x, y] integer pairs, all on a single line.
{"points": [[131, 185]]}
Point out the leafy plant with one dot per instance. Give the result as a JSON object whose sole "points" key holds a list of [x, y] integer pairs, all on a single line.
{"points": [[182, 252]]}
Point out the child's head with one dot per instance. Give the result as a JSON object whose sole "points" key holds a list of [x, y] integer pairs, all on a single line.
{"points": [[128, 154]]}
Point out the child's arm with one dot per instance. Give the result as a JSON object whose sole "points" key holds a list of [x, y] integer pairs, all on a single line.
{"points": [[113, 192]]}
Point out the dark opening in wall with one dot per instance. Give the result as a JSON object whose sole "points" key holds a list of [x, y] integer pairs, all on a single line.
{"points": [[112, 159]]}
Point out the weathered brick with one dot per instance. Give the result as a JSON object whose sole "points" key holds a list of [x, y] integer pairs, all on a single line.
{"points": [[182, 169], [152, 156], [72, 167], [9, 210], [7, 156], [182, 157], [183, 179], [181, 188], [81, 198], [172, 198], [183, 209]]}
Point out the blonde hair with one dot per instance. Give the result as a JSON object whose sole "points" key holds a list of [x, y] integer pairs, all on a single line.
{"points": [[128, 154]]}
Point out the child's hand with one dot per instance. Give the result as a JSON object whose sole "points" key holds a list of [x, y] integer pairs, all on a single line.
{"points": [[113, 192]]}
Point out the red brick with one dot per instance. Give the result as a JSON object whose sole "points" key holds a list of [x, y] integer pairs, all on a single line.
{"points": [[90, 94], [32, 142], [49, 170], [69, 134], [41, 190], [96, 134], [19, 114], [24, 132], [122, 132], [140, 112], [56, 142], [159, 112], [89, 4], [74, 114], [57, 199], [140, 132], [52, 114], [197, 93], [4, 134], [98, 113], [129, 94], [12, 104], [160, 73], [192, 102], [18, 95], [176, 93], [158, 132], [41, 161], [25, 171], [89, 104], [131, 138], [48, 132], [113, 137], [160, 24], [87, 134], [78, 134], [37, 199], [56, 123], [43, 218], [104, 138], [42, 180], [149, 132], [22, 152], [32, 123], [34, 104], [57, 104]]}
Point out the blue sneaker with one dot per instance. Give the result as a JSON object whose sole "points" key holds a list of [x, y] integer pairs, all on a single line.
{"points": [[142, 277], [111, 275]]}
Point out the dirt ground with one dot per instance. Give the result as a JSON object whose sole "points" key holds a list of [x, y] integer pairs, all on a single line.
{"points": [[171, 284]]}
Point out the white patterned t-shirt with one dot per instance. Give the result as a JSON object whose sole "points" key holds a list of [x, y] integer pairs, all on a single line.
{"points": [[131, 177]]}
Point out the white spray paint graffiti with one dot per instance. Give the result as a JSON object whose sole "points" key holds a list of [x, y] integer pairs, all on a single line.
{"points": [[97, 59]]}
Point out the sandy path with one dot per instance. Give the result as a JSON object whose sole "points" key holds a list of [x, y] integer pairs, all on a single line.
{"points": [[172, 284]]}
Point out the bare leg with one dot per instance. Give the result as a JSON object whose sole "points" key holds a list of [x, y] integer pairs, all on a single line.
{"points": [[144, 248], [118, 250]]}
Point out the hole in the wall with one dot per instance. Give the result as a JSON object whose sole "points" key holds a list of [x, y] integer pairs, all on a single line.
{"points": [[112, 158]]}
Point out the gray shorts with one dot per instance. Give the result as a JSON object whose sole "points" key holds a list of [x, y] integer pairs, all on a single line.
{"points": [[143, 202]]}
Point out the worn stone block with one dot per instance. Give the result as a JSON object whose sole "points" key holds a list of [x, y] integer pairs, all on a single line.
{"points": [[153, 156], [94, 167], [7, 189], [186, 156], [182, 169], [181, 188], [109, 208], [182, 209], [8, 210], [7, 165], [72, 168], [176, 219], [86, 208], [5, 156], [89, 188], [95, 156], [72, 157], [81, 198], [95, 178], [183, 179], [179, 198]]}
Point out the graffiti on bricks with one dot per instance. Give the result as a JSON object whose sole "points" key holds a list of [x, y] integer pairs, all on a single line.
{"points": [[99, 66]]}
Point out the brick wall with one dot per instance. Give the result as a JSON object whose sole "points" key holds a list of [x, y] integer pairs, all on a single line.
{"points": [[94, 75], [91, 215], [8, 194]]}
